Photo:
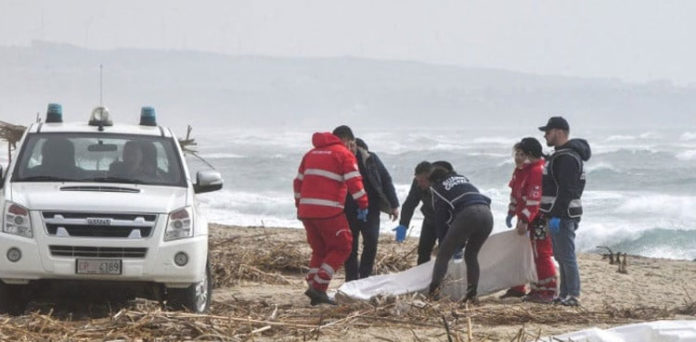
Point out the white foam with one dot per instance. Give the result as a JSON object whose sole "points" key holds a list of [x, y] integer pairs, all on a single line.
{"points": [[686, 155], [598, 149], [620, 138], [650, 135], [222, 156], [496, 140], [676, 208], [3, 154], [271, 209], [687, 136], [594, 167]]}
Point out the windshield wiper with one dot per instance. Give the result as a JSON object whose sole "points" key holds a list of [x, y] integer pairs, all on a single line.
{"points": [[45, 179], [112, 180]]}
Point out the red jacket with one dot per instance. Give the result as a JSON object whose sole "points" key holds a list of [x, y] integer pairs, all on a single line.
{"points": [[525, 196], [326, 174]]}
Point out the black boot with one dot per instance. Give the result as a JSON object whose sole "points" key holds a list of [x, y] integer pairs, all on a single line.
{"points": [[434, 291], [318, 297], [471, 294]]}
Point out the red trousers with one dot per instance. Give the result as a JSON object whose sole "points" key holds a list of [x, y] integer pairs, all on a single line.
{"points": [[546, 269], [331, 242]]}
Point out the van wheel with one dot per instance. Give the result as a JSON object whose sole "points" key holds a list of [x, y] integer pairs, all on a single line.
{"points": [[13, 300], [195, 298]]}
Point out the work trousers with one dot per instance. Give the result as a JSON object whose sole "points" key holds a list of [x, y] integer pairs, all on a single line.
{"points": [[471, 227], [330, 240], [370, 235]]}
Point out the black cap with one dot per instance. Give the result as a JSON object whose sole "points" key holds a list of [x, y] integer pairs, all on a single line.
{"points": [[556, 122], [530, 146], [444, 164]]}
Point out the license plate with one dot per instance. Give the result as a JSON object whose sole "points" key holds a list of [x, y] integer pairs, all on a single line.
{"points": [[98, 266]]}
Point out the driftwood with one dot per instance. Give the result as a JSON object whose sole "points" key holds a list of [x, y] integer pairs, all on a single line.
{"points": [[188, 145], [12, 134], [609, 255], [622, 263]]}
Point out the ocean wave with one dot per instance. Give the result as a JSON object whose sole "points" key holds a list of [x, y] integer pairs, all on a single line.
{"points": [[688, 136], [686, 155], [660, 243], [3, 154], [495, 140], [620, 138], [669, 207], [222, 156], [632, 149], [649, 135], [249, 208], [601, 166]]}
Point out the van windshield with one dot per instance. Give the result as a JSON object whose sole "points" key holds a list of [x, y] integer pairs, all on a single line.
{"points": [[88, 157]]}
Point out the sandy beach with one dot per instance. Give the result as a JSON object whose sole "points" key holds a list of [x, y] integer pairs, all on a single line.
{"points": [[259, 296], [652, 289]]}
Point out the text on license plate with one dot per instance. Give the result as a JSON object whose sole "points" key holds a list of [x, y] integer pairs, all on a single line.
{"points": [[98, 266]]}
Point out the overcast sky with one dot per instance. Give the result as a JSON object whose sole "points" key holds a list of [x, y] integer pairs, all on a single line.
{"points": [[634, 40]]}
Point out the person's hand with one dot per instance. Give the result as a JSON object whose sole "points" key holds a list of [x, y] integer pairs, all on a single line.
{"points": [[554, 225], [394, 214], [362, 214], [521, 227], [508, 220], [400, 233]]}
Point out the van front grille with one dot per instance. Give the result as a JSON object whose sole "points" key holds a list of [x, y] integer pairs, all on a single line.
{"points": [[98, 252], [107, 225]]}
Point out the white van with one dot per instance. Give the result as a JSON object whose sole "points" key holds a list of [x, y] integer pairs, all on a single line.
{"points": [[103, 202]]}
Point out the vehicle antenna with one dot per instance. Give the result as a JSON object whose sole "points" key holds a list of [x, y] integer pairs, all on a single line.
{"points": [[101, 86]]}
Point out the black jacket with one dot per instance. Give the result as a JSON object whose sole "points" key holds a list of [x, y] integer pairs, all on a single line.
{"points": [[377, 181], [452, 195], [564, 180], [415, 196]]}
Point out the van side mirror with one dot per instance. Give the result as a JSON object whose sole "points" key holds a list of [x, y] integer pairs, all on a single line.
{"points": [[207, 181]]}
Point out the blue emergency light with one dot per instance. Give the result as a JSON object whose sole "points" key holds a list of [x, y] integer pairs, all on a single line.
{"points": [[54, 113], [147, 116]]}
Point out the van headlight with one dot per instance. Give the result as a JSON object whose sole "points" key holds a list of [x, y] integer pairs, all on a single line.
{"points": [[17, 220], [179, 224]]}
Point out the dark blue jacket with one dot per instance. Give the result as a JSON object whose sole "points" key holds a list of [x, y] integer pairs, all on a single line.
{"points": [[452, 195], [378, 183], [564, 180], [416, 195]]}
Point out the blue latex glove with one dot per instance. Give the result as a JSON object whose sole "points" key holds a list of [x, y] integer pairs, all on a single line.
{"points": [[508, 220], [400, 233], [362, 214], [554, 225], [458, 256]]}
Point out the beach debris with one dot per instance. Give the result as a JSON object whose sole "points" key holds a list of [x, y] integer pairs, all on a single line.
{"points": [[234, 318], [188, 145], [12, 134], [609, 255], [622, 264]]}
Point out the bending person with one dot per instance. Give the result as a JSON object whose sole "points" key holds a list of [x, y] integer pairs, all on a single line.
{"points": [[420, 193], [459, 205]]}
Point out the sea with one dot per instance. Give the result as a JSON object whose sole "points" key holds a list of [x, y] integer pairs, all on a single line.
{"points": [[640, 196]]}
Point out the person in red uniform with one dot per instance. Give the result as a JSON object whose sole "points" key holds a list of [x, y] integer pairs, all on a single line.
{"points": [[525, 199], [326, 174]]}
